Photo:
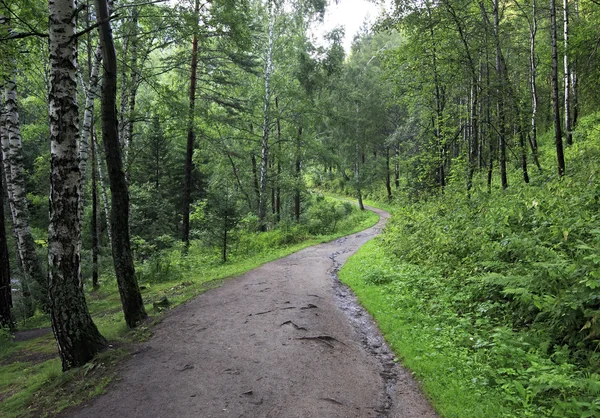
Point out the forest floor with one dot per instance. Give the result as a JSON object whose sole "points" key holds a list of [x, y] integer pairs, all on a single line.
{"points": [[284, 340]]}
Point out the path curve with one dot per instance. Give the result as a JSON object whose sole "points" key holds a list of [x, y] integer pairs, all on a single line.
{"points": [[283, 340]]}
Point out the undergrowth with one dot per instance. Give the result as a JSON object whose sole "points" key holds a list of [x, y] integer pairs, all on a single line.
{"points": [[493, 299], [31, 381]]}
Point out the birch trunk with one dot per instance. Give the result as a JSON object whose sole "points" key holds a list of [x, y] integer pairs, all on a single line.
{"points": [[91, 93], [5, 289], [103, 190], [34, 280], [128, 121], [131, 298], [264, 160], [500, 92], [77, 337], [567, 74], [534, 96], [558, 142]]}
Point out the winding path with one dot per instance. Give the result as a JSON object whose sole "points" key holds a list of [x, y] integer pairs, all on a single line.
{"points": [[283, 340]]}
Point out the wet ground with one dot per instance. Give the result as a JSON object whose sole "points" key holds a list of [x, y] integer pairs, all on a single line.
{"points": [[284, 340]]}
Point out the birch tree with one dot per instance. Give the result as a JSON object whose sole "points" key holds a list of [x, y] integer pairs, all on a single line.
{"points": [[77, 337], [264, 155], [558, 142], [33, 276], [5, 289]]}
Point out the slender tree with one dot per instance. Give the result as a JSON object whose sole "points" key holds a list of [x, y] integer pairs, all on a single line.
{"points": [[560, 157], [77, 337], [131, 298], [191, 134], [567, 73], [5, 288], [12, 150], [264, 156]]}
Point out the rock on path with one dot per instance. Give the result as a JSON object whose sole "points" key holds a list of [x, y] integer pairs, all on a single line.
{"points": [[283, 340]]}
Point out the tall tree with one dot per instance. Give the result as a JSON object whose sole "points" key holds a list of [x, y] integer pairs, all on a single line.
{"points": [[558, 142], [5, 288], [264, 155], [191, 134], [567, 73], [76, 334], [12, 150], [131, 298]]}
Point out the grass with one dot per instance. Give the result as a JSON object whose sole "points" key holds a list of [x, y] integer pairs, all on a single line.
{"points": [[423, 343], [31, 381]]}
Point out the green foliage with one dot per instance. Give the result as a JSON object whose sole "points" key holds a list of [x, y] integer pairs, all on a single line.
{"points": [[500, 290]]}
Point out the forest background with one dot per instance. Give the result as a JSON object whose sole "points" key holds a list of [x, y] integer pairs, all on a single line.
{"points": [[207, 127]]}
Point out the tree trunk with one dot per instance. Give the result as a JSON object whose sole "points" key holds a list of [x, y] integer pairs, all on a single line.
{"points": [[76, 335], [567, 75], [5, 289], [298, 177], [278, 188], [94, 223], [560, 157], [397, 168], [103, 189], [534, 98], [357, 164], [133, 85], [34, 282], [388, 174], [191, 136], [131, 298], [264, 160], [91, 92], [500, 104]]}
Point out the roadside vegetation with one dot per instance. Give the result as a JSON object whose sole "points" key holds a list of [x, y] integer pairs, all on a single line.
{"points": [[32, 383], [492, 299]]}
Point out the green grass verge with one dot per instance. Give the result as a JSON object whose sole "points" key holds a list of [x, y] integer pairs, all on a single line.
{"points": [[424, 344], [31, 381]]}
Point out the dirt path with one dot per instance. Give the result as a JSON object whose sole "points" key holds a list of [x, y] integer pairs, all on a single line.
{"points": [[284, 340]]}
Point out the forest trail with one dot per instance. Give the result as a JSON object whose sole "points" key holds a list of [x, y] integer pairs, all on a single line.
{"points": [[283, 340]]}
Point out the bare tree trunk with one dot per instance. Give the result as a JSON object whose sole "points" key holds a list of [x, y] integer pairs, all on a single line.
{"points": [[94, 223], [357, 164], [255, 178], [77, 337], [388, 174], [191, 136], [91, 93], [131, 298], [567, 75], [264, 160], [500, 92], [34, 282], [103, 189], [133, 86], [298, 176], [278, 188], [397, 167], [533, 73], [560, 157], [5, 289]]}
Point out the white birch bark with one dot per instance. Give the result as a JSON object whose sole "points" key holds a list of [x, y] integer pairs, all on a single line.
{"points": [[104, 194], [77, 337], [264, 161], [91, 93], [12, 153], [567, 73]]}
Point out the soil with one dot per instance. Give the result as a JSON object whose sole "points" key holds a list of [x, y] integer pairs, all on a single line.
{"points": [[284, 340]]}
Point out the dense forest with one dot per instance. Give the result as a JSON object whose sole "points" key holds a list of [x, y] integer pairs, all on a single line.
{"points": [[145, 141]]}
